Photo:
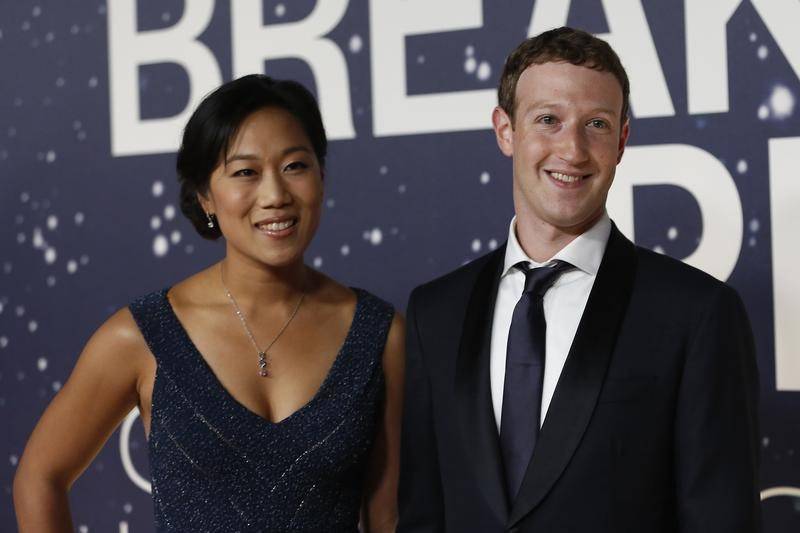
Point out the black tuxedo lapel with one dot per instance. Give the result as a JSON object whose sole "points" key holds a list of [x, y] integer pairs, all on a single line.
{"points": [[583, 374], [473, 389]]}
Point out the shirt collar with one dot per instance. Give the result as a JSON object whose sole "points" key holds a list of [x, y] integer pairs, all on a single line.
{"points": [[585, 252]]}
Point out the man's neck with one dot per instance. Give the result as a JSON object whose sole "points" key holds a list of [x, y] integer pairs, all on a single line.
{"points": [[541, 241]]}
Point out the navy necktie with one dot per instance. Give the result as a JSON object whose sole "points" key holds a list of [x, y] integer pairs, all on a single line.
{"points": [[525, 357]]}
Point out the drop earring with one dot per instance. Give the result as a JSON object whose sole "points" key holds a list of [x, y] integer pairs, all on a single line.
{"points": [[210, 220]]}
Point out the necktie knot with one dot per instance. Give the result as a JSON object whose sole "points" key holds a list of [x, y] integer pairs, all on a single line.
{"points": [[539, 280]]}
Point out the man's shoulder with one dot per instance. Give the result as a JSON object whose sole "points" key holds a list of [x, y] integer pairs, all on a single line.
{"points": [[458, 281], [675, 279], [664, 281]]}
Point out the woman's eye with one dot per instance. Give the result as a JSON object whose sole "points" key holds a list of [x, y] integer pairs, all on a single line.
{"points": [[547, 119], [295, 165], [245, 172]]}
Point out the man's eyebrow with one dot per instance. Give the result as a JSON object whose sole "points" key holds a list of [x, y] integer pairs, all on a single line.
{"points": [[541, 104], [605, 110], [557, 105], [254, 157]]}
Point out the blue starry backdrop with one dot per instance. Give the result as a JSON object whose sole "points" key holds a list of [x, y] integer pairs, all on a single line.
{"points": [[88, 197]]}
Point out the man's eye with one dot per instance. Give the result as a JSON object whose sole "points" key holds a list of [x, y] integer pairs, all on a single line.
{"points": [[597, 123], [547, 119]]}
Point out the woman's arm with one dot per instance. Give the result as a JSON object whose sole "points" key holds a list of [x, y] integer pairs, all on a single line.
{"points": [[379, 513], [102, 389]]}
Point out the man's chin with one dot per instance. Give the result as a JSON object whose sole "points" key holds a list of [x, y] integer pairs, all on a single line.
{"points": [[574, 223]]}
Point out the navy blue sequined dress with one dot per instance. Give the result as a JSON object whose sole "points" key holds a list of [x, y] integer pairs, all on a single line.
{"points": [[217, 466]]}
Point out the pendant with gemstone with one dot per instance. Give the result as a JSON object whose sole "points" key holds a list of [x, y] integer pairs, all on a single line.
{"points": [[263, 364]]}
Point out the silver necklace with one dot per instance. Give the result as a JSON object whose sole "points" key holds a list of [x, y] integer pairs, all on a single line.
{"points": [[264, 357]]}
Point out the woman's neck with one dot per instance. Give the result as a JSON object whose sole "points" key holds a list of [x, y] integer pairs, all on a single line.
{"points": [[253, 283]]}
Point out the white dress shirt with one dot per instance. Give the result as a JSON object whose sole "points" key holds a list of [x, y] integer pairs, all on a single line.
{"points": [[563, 306]]}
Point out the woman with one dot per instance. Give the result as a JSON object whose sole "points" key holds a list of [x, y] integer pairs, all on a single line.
{"points": [[269, 392]]}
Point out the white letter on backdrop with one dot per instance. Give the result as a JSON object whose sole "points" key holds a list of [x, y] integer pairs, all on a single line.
{"points": [[630, 37], [707, 46], [254, 43], [394, 111], [707, 54], [705, 178], [125, 452], [784, 195], [128, 49], [781, 17]]}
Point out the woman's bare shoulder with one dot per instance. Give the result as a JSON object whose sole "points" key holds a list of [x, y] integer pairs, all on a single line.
{"points": [[195, 290], [118, 337], [331, 292]]}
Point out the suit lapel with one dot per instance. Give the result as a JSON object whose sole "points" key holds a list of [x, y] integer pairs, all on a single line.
{"points": [[582, 376], [473, 389]]}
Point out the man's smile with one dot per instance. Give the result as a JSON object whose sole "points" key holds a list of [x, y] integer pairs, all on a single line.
{"points": [[564, 179]]}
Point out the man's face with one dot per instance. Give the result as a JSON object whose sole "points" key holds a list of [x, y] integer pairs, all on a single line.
{"points": [[565, 143]]}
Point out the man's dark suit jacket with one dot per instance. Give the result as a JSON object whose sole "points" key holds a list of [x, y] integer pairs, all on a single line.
{"points": [[652, 426]]}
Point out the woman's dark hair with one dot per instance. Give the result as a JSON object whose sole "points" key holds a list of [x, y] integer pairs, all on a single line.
{"points": [[216, 121]]}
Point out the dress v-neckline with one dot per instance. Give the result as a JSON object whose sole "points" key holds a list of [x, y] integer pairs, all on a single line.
{"points": [[231, 399]]}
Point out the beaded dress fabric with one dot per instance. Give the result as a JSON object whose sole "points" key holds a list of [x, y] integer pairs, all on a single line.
{"points": [[217, 466]]}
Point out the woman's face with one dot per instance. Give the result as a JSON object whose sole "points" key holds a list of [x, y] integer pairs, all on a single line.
{"points": [[266, 191]]}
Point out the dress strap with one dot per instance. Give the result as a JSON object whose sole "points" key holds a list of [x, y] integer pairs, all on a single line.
{"points": [[369, 332], [150, 315]]}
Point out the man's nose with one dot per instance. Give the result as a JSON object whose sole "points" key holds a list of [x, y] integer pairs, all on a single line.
{"points": [[573, 145]]}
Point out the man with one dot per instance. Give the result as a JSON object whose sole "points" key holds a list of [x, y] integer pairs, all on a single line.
{"points": [[571, 381]]}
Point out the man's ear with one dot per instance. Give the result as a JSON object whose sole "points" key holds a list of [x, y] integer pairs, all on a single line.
{"points": [[503, 131], [623, 139]]}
